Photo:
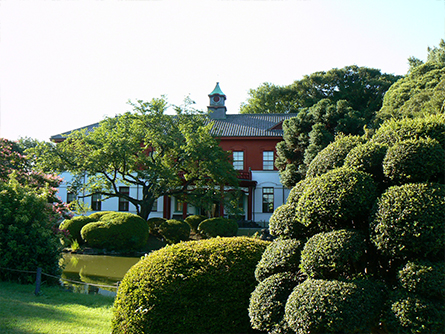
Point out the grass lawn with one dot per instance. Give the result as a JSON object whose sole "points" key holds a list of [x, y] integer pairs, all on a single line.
{"points": [[54, 311]]}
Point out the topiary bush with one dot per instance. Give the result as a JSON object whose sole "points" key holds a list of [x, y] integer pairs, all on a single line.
{"points": [[191, 287], [154, 225], [96, 216], [424, 277], [393, 131], [337, 199], [368, 158], [174, 231], [309, 307], [282, 255], [410, 313], [408, 221], [194, 221], [284, 222], [333, 155], [116, 231], [218, 227], [415, 160], [75, 225], [394, 235], [267, 302], [334, 254]]}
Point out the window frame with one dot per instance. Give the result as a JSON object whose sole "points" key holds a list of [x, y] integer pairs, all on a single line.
{"points": [[96, 202], [124, 204], [268, 164], [268, 199], [238, 160]]}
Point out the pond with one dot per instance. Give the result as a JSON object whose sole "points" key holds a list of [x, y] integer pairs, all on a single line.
{"points": [[95, 274]]}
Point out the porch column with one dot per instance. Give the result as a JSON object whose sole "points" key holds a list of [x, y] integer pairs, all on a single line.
{"points": [[167, 207], [250, 203]]}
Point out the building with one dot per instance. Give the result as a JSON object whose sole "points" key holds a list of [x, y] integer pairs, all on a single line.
{"points": [[251, 138]]}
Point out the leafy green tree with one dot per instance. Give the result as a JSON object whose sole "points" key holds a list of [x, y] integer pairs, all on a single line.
{"points": [[325, 104], [162, 154], [362, 87], [421, 91]]}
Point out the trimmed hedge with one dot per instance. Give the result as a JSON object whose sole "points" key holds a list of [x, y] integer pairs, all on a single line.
{"points": [[415, 160], [284, 222], [154, 224], [194, 221], [367, 158], [75, 225], [333, 155], [410, 313], [409, 221], [309, 308], [335, 254], [116, 231], [296, 191], [338, 199], [174, 231], [267, 302], [425, 278], [218, 227], [191, 287], [282, 255]]}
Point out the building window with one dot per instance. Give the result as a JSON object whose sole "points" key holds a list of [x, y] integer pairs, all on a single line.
{"points": [[268, 160], [267, 200], [96, 203], [123, 202], [70, 197], [155, 206], [238, 160]]}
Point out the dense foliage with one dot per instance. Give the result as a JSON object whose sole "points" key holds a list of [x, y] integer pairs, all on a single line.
{"points": [[371, 259], [218, 227], [29, 216], [116, 231], [174, 231], [75, 225], [27, 237], [191, 287]]}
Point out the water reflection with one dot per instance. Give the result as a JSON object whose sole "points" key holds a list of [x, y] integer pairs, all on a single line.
{"points": [[95, 273]]}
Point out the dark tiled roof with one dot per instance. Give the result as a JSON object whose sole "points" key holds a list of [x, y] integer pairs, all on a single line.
{"points": [[234, 125], [249, 125]]}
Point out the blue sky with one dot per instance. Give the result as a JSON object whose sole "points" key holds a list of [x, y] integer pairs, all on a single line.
{"points": [[65, 64]]}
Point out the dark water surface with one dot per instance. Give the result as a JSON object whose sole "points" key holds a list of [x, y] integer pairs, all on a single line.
{"points": [[95, 273]]}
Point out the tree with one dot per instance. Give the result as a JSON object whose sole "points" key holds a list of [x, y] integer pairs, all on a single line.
{"points": [[325, 104], [362, 87], [173, 155], [421, 91]]}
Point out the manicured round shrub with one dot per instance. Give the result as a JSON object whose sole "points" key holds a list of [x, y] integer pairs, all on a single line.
{"points": [[284, 222], [96, 216], [74, 226], [267, 302], [282, 255], [174, 231], [194, 221], [218, 227], [309, 308], [415, 160], [296, 191], [116, 231], [409, 221], [191, 287], [338, 199], [335, 254], [413, 314], [27, 240], [424, 278], [393, 131], [367, 158], [333, 155], [154, 224]]}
